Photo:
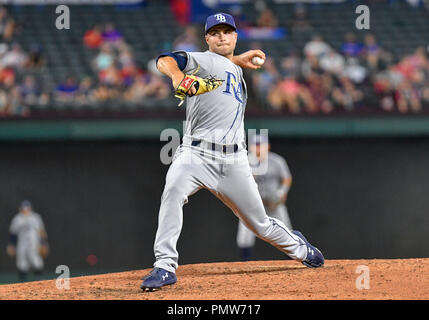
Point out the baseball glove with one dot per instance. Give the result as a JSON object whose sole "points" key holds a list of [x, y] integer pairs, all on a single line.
{"points": [[201, 85], [273, 201]]}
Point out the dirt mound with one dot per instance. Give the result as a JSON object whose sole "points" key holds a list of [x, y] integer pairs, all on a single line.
{"points": [[259, 280]]}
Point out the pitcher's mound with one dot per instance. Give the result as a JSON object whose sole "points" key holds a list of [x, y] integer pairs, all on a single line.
{"points": [[256, 280]]}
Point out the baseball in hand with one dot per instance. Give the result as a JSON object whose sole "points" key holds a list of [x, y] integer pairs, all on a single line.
{"points": [[257, 61]]}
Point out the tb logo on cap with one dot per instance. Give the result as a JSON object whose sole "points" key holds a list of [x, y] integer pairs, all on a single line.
{"points": [[220, 17]]}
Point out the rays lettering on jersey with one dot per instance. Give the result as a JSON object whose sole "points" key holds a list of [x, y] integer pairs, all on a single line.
{"points": [[232, 86]]}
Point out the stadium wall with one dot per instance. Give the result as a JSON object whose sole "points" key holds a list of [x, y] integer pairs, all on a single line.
{"points": [[107, 129], [354, 198]]}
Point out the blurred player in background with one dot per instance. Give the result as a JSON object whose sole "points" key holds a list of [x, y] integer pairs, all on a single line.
{"points": [[273, 185], [28, 241]]}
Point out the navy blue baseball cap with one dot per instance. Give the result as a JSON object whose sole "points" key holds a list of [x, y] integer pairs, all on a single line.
{"points": [[220, 18], [25, 204]]}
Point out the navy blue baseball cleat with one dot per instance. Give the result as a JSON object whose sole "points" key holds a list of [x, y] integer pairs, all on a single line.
{"points": [[314, 257], [158, 278]]}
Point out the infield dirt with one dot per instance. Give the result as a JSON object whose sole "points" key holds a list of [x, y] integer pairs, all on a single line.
{"points": [[255, 280]]}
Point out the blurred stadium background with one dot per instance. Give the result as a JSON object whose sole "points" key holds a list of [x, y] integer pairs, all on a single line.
{"points": [[81, 111]]}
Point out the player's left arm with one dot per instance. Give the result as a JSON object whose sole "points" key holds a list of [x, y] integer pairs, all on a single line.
{"points": [[244, 60], [44, 244], [285, 180]]}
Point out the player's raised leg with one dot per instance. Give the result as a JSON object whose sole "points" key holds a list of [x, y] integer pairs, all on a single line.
{"points": [[239, 191]]}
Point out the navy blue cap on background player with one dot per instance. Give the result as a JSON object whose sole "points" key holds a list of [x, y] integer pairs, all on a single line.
{"points": [[25, 204], [219, 18]]}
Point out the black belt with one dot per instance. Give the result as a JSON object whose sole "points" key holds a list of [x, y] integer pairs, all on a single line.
{"points": [[225, 148]]}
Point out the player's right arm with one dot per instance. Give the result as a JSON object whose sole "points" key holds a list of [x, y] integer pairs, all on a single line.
{"points": [[176, 66], [11, 247], [169, 66], [172, 65]]}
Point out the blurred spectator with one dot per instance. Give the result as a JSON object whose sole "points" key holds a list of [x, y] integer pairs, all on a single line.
{"points": [[85, 92], [15, 105], [3, 19], [316, 47], [414, 3], [110, 77], [333, 62], [35, 57], [351, 47], [371, 47], [241, 21], [128, 73], [148, 85], [311, 64], [188, 40], [29, 90], [14, 58], [347, 95], [354, 70], [384, 91], [6, 75], [420, 83], [111, 35], [137, 91], [265, 78], [125, 57], [320, 87], [267, 19], [375, 58], [3, 49], [104, 59], [93, 38], [156, 87], [300, 23], [9, 29], [3, 103], [181, 11], [7, 25], [292, 95], [65, 92], [103, 93], [407, 98], [290, 65], [417, 60]]}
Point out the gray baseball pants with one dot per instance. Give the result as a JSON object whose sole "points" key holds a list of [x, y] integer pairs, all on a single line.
{"points": [[229, 177]]}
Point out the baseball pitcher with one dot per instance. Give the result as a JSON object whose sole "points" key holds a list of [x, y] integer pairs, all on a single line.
{"points": [[273, 182], [213, 153], [28, 241]]}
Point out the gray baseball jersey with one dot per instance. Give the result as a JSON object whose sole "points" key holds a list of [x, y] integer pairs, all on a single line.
{"points": [[27, 228], [216, 117], [271, 181]]}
